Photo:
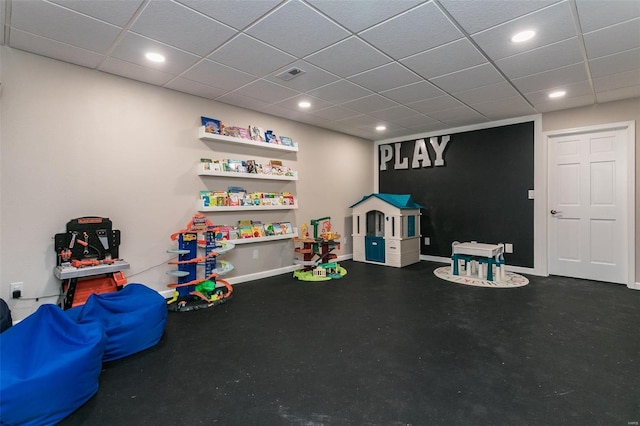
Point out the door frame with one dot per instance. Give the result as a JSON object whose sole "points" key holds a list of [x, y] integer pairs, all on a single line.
{"points": [[630, 128]]}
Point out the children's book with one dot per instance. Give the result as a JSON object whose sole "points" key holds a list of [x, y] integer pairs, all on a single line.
{"points": [[286, 140], [256, 133], [234, 233], [268, 229], [286, 228], [234, 131], [211, 125], [258, 230], [277, 229]]}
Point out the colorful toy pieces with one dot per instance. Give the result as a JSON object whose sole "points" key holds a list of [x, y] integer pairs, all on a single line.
{"points": [[316, 252], [193, 293]]}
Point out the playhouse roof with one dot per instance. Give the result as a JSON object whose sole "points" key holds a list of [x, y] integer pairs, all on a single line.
{"points": [[401, 201]]}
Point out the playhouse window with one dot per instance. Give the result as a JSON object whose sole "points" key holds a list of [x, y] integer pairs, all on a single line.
{"points": [[393, 226], [411, 226]]}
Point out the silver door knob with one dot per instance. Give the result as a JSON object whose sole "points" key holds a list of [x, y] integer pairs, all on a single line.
{"points": [[554, 212]]}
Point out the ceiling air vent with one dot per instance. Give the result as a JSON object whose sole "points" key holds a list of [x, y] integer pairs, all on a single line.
{"points": [[290, 74]]}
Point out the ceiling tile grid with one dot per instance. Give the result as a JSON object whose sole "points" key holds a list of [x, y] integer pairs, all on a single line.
{"points": [[412, 65]]}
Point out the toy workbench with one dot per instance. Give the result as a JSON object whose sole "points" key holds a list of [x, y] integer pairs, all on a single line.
{"points": [[88, 260]]}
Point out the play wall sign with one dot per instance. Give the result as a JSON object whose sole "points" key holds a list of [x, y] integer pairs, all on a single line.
{"points": [[421, 158]]}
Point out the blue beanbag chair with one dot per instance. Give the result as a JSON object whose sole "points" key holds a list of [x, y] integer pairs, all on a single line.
{"points": [[49, 366], [134, 318]]}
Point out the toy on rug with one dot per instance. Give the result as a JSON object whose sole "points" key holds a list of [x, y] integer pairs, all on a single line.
{"points": [[191, 292], [317, 253]]}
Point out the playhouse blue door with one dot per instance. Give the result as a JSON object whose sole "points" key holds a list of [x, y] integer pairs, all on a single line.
{"points": [[374, 249]]}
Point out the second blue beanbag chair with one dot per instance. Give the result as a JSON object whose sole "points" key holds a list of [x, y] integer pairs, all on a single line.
{"points": [[134, 318]]}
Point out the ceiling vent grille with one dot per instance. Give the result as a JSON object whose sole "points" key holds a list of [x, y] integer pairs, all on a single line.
{"points": [[291, 73]]}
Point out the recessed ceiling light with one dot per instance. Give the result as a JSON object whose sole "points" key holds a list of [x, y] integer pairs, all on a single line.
{"points": [[523, 36], [557, 94], [155, 57], [381, 128], [304, 104]]}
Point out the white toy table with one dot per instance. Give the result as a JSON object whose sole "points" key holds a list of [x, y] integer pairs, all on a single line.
{"points": [[489, 254]]}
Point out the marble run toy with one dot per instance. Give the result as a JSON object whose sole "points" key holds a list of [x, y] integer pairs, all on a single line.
{"points": [[317, 257], [190, 292]]}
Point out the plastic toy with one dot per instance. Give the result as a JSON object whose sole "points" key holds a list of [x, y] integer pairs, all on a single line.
{"points": [[317, 253], [88, 260], [191, 292]]}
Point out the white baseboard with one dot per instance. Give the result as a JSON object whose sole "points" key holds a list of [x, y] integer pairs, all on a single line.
{"points": [[634, 286]]}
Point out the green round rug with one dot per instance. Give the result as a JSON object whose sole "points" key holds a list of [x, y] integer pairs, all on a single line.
{"points": [[511, 279]]}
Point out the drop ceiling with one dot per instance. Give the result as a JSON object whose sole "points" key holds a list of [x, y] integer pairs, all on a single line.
{"points": [[414, 66]]}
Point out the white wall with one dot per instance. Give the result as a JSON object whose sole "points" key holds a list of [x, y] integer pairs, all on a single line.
{"points": [[77, 142]]}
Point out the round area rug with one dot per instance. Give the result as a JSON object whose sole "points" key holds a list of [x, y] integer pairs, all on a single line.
{"points": [[511, 280]]}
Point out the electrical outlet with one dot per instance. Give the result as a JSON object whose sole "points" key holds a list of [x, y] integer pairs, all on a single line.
{"points": [[508, 248], [16, 288], [256, 254], [427, 241]]}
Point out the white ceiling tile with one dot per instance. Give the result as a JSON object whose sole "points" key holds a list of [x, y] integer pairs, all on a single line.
{"points": [[356, 15], [266, 91], [542, 59], [340, 91], [312, 78], [227, 11], [413, 92], [335, 113], [596, 14], [297, 29], [386, 77], [616, 63], [460, 122], [52, 21], [613, 39], [251, 56], [135, 72], [456, 114], [435, 104], [370, 103], [552, 24], [116, 12], [445, 59], [566, 103], [358, 121], [217, 75], [361, 56], [242, 102], [617, 81], [573, 91], [619, 94], [394, 113], [490, 93], [470, 78], [176, 25], [53, 49], [193, 88], [504, 108], [415, 120], [557, 77], [474, 15], [316, 104], [132, 48], [422, 28], [429, 127]]}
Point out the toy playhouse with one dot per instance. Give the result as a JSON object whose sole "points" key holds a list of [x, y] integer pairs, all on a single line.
{"points": [[386, 230]]}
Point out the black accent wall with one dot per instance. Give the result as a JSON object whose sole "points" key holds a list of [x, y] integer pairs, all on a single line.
{"points": [[480, 194]]}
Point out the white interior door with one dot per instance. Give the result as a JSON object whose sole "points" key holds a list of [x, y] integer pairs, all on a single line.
{"points": [[588, 205]]}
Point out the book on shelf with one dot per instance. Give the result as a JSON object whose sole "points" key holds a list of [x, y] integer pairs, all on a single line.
{"points": [[211, 125], [268, 229], [256, 133], [286, 228], [286, 141]]}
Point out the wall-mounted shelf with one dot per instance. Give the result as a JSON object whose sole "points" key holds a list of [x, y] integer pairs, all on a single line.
{"points": [[263, 239], [203, 172], [203, 136], [203, 209]]}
